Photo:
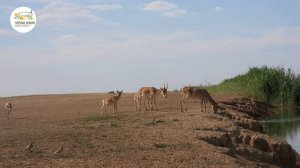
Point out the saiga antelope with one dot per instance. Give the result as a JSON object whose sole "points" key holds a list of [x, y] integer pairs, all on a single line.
{"points": [[149, 93], [111, 101], [8, 108], [111, 92], [137, 98], [197, 93]]}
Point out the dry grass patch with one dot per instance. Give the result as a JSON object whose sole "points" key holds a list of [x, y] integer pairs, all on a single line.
{"points": [[155, 122], [100, 118]]}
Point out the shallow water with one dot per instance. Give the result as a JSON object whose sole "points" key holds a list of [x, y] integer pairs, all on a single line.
{"points": [[286, 124]]}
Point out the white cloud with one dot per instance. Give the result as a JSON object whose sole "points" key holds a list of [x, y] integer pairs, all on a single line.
{"points": [[89, 46], [187, 49], [105, 7], [62, 15], [218, 8], [7, 8], [172, 45], [165, 8], [67, 15], [67, 37], [175, 13], [159, 6], [5, 32], [110, 23], [40, 1]]}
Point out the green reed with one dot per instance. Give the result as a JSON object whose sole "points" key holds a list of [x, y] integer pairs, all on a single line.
{"points": [[270, 84]]}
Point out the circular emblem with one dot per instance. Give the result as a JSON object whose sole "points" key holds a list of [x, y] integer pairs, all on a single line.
{"points": [[23, 19]]}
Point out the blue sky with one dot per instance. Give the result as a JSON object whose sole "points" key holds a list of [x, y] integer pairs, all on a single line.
{"points": [[99, 45]]}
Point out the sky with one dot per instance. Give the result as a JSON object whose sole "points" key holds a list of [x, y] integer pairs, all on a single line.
{"points": [[100, 45]]}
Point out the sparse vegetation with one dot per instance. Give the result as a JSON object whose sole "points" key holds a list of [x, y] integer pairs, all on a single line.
{"points": [[161, 145], [166, 138], [114, 124], [154, 122], [99, 118], [165, 145], [274, 84]]}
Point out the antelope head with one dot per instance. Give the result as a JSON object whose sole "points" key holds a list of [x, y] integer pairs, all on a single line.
{"points": [[119, 92], [164, 91]]}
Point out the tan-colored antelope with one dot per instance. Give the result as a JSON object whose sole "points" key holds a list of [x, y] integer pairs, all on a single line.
{"points": [[149, 93], [8, 108], [197, 93], [137, 98], [111, 101], [111, 92]]}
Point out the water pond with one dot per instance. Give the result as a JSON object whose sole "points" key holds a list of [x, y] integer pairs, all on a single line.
{"points": [[285, 124]]}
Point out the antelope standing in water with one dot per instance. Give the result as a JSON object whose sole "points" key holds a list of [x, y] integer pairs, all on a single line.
{"points": [[149, 94], [111, 101], [197, 93], [8, 108]]}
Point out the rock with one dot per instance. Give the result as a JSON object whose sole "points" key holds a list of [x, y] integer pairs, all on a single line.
{"points": [[285, 156], [223, 140], [245, 138], [235, 131], [255, 154], [250, 124], [256, 126], [260, 143]]}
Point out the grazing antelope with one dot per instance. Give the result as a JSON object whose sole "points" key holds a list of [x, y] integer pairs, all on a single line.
{"points": [[8, 108], [113, 101], [197, 93], [149, 93], [112, 92], [137, 99]]}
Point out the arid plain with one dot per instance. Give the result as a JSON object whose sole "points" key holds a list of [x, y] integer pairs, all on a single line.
{"points": [[163, 138]]}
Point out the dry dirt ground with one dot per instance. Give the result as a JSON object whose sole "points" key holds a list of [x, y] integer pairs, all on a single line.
{"points": [[163, 138]]}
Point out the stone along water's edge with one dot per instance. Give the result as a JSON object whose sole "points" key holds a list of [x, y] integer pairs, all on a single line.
{"points": [[246, 137]]}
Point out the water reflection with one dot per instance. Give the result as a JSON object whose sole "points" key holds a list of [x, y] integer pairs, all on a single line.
{"points": [[286, 124]]}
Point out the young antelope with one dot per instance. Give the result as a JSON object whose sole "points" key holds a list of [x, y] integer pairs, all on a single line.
{"points": [[8, 108], [111, 101]]}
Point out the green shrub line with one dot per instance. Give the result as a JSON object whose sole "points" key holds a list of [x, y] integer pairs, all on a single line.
{"points": [[269, 84]]}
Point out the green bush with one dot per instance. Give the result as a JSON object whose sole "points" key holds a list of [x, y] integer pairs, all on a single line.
{"points": [[268, 84]]}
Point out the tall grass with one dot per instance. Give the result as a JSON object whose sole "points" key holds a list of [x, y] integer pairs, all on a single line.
{"points": [[270, 84]]}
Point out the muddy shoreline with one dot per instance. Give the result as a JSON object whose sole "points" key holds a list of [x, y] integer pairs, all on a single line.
{"points": [[247, 137]]}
